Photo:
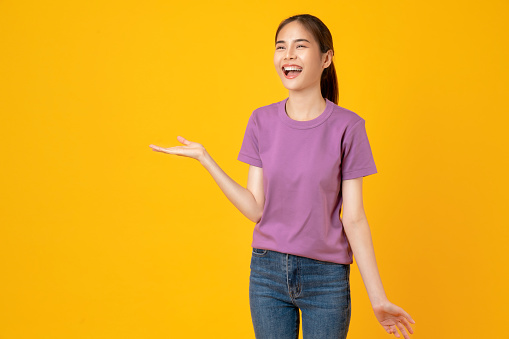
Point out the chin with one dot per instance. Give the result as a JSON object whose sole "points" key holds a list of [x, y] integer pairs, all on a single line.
{"points": [[292, 87]]}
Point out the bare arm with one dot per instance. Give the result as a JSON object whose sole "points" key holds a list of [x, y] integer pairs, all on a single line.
{"points": [[243, 198], [249, 201], [358, 233]]}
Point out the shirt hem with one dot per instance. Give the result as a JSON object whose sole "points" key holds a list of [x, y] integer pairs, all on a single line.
{"points": [[249, 160], [359, 173], [299, 254]]}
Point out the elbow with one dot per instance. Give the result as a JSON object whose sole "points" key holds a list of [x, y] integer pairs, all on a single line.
{"points": [[352, 218], [353, 222], [258, 217], [255, 220]]}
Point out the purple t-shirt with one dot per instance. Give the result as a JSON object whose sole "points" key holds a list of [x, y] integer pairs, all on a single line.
{"points": [[303, 164]]}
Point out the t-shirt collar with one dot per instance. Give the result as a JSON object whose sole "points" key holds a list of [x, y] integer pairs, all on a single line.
{"points": [[308, 123]]}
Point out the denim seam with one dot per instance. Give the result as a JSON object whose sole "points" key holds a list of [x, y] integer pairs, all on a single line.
{"points": [[299, 287], [287, 282]]}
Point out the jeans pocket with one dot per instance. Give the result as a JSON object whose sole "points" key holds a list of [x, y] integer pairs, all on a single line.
{"points": [[259, 252]]}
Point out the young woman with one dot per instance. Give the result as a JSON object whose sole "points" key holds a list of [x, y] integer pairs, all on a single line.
{"points": [[307, 158]]}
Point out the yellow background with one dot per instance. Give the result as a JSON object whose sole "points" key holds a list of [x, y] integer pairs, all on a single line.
{"points": [[101, 237]]}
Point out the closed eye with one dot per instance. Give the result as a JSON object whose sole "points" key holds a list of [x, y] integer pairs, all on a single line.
{"points": [[283, 47]]}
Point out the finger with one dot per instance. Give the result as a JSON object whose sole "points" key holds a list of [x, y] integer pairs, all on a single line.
{"points": [[403, 330], [407, 325], [170, 150], [155, 148], [396, 333], [177, 150], [408, 316], [183, 140]]}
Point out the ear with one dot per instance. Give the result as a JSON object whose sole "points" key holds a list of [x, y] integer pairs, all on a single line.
{"points": [[327, 58]]}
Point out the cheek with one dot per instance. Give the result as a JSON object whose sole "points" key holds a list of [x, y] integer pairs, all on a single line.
{"points": [[276, 65], [314, 66]]}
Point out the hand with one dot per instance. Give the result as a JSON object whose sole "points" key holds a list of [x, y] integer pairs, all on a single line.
{"points": [[191, 149], [390, 316]]}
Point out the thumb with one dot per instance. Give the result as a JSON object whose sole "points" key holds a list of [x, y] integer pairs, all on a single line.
{"points": [[183, 140]]}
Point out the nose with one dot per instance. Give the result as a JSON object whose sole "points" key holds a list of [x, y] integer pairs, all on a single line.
{"points": [[289, 53]]}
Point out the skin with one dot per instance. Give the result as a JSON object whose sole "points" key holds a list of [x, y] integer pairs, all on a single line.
{"points": [[305, 102]]}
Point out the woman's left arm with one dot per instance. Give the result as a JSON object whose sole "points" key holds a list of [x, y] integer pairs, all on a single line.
{"points": [[358, 233]]}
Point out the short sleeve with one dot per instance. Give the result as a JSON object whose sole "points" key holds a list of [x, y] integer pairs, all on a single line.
{"points": [[249, 151], [357, 158]]}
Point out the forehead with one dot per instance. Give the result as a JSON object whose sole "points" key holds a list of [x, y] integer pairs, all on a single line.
{"points": [[294, 30]]}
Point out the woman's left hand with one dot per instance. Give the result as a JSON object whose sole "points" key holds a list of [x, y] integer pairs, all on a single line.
{"points": [[391, 316]]}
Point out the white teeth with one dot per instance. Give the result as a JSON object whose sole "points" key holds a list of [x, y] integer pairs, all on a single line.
{"points": [[292, 68]]}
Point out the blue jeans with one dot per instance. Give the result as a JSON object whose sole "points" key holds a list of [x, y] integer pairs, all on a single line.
{"points": [[280, 284]]}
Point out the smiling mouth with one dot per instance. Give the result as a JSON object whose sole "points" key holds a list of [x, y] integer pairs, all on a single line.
{"points": [[291, 70]]}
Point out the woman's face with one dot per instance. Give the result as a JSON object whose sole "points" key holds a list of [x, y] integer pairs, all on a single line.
{"points": [[296, 46]]}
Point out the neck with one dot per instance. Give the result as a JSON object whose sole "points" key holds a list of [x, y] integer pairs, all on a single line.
{"points": [[305, 107]]}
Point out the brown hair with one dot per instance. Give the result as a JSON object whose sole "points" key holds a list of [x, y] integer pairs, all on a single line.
{"points": [[329, 80]]}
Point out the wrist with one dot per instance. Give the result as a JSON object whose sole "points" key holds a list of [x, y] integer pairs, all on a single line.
{"points": [[205, 158], [379, 301]]}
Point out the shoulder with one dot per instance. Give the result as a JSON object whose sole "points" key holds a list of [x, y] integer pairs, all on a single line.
{"points": [[344, 121], [345, 116], [266, 112]]}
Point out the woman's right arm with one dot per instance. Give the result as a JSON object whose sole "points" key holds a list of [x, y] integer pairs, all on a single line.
{"points": [[245, 199], [249, 201]]}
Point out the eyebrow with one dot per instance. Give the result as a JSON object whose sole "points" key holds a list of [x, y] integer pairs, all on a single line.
{"points": [[296, 40]]}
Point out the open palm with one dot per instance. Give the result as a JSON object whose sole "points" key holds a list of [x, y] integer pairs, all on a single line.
{"points": [[191, 149], [391, 316]]}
